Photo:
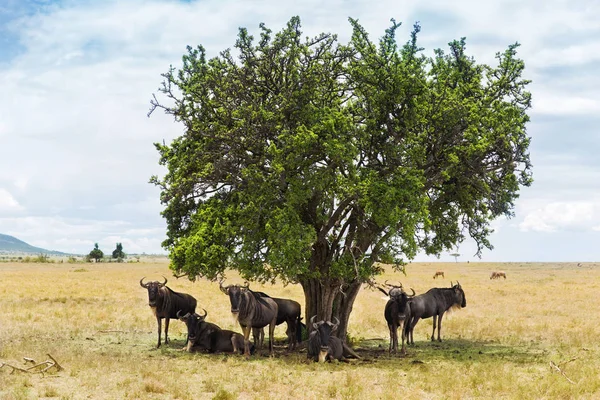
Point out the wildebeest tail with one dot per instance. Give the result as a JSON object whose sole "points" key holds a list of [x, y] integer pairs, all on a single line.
{"points": [[299, 329]]}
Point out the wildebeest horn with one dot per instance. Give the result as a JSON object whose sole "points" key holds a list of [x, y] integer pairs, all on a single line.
{"points": [[179, 316], [205, 314], [164, 283], [457, 284], [414, 293], [334, 327], [144, 285], [312, 321], [246, 285], [223, 288]]}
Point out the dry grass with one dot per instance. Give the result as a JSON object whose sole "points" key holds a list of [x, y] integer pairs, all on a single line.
{"points": [[95, 321]]}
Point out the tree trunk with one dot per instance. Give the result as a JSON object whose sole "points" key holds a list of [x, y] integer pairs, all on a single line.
{"points": [[324, 300]]}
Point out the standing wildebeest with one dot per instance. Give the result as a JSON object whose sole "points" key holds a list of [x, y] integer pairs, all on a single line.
{"points": [[323, 346], [434, 303], [252, 311], [498, 275], [397, 312], [165, 303], [211, 337], [287, 311], [438, 273]]}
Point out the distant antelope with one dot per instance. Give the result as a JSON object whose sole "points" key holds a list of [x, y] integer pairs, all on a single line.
{"points": [[438, 273], [498, 274]]}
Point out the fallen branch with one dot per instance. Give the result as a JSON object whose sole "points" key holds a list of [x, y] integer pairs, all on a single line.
{"points": [[34, 369], [561, 371]]}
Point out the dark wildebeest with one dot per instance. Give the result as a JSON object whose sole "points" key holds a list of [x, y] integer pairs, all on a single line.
{"points": [[251, 311], [165, 303], [397, 312], [323, 346], [287, 311], [438, 273], [498, 275], [210, 337], [434, 303]]}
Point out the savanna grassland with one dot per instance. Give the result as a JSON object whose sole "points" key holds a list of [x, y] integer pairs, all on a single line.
{"points": [[95, 321]]}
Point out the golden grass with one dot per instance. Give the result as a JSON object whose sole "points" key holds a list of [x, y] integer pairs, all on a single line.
{"points": [[94, 319]]}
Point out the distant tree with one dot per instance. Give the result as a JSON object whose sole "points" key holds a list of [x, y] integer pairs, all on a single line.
{"points": [[455, 255], [96, 253], [118, 252], [310, 161]]}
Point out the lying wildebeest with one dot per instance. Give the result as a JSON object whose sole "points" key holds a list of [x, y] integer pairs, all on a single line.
{"points": [[434, 303], [287, 311], [165, 303], [251, 311], [397, 312], [323, 346], [438, 273], [208, 336], [498, 275]]}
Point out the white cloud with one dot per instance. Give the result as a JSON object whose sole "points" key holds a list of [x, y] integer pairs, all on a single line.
{"points": [[8, 202], [555, 216]]}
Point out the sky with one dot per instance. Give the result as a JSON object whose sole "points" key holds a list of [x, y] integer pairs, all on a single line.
{"points": [[76, 78]]}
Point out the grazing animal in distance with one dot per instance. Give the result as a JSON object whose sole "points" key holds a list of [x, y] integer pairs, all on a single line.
{"points": [[251, 311], [165, 303], [323, 346], [438, 273], [288, 311], [397, 313], [210, 337], [434, 303], [498, 275]]}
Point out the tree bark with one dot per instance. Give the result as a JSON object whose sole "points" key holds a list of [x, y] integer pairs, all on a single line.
{"points": [[324, 300]]}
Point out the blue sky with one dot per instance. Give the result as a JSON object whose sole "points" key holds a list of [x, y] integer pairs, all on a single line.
{"points": [[77, 77]]}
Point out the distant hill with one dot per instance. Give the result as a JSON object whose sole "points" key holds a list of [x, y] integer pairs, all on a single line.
{"points": [[10, 244]]}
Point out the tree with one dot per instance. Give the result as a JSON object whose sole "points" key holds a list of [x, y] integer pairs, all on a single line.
{"points": [[118, 252], [455, 255], [311, 161], [96, 253]]}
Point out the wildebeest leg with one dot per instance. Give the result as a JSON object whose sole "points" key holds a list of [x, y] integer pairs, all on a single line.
{"points": [[159, 329], [259, 336], [440, 327], [234, 344], [246, 330], [412, 328], [272, 334], [402, 334], [391, 338], [434, 325], [166, 330]]}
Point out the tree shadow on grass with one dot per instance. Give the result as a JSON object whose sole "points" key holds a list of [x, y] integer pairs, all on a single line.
{"points": [[459, 351]]}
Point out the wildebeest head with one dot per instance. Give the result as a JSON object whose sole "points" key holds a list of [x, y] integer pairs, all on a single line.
{"points": [[235, 293], [153, 290], [192, 322], [396, 291], [324, 329], [459, 295]]}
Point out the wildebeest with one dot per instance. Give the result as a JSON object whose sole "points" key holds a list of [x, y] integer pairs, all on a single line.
{"points": [[397, 312], [251, 311], [165, 303], [498, 274], [438, 273], [287, 311], [323, 346], [434, 303], [208, 336]]}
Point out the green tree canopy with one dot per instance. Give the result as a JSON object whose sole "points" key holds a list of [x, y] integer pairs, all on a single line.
{"points": [[118, 252], [310, 161], [96, 253]]}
